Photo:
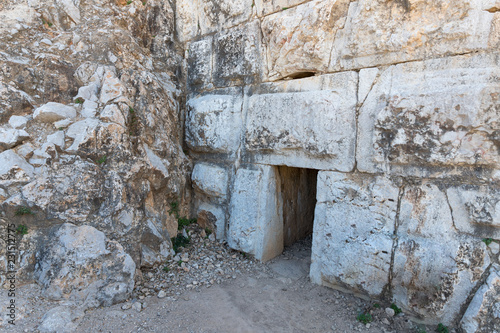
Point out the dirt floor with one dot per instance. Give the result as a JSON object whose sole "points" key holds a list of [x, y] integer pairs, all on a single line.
{"points": [[272, 297]]}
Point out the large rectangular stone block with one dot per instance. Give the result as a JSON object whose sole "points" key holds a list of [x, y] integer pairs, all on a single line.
{"points": [[255, 213], [300, 39], [200, 17], [476, 209], [433, 118], [307, 123], [199, 56], [214, 121], [353, 232], [210, 180], [238, 56], [378, 32], [435, 268]]}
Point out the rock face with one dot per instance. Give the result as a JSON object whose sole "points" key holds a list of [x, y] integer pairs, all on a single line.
{"points": [[90, 143], [83, 266], [395, 107]]}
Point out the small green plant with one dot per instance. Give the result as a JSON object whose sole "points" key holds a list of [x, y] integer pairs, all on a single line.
{"points": [[441, 328], [376, 306], [22, 229], [144, 3], [49, 24], [181, 221], [208, 232], [488, 241], [166, 269], [284, 8], [79, 100], [421, 330], [24, 211], [364, 317], [129, 2], [179, 241], [179, 263], [395, 308], [60, 128], [102, 159]]}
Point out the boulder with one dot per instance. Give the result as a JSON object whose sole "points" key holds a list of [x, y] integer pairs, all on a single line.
{"points": [[80, 264], [52, 112]]}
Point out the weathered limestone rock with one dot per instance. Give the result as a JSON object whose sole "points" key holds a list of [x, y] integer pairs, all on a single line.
{"points": [[214, 122], [483, 313], [237, 57], [14, 167], [308, 123], [81, 132], [432, 117], [210, 180], [202, 17], [112, 113], [61, 319], [199, 62], [300, 39], [265, 7], [435, 268], [18, 121], [255, 217], [353, 223], [213, 216], [112, 89], [57, 139], [51, 112], [10, 137], [82, 265], [476, 210], [380, 32]]}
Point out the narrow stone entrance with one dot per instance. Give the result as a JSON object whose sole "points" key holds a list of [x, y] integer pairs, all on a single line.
{"points": [[298, 193]]}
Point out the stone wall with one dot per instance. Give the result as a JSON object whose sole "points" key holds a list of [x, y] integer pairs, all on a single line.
{"points": [[394, 102]]}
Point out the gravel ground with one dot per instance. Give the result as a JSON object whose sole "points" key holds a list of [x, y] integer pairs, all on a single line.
{"points": [[208, 287]]}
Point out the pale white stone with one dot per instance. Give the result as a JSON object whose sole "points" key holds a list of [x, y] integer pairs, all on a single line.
{"points": [[214, 122], [353, 223], [89, 92], [366, 78], [300, 39], [112, 113], [156, 162], [432, 261], [112, 89], [220, 214], [476, 209], [413, 105], [56, 139], [194, 17], [25, 150], [255, 214], [11, 162], [480, 316], [46, 41], [265, 7], [18, 121], [11, 137], [210, 179], [378, 32], [199, 61], [307, 123], [62, 123], [81, 132], [51, 112], [89, 109]]}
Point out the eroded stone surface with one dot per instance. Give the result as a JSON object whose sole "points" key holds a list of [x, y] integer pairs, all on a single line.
{"points": [[422, 117], [213, 122], [353, 223], [300, 39], [308, 123], [210, 180], [82, 265], [435, 268], [375, 32], [255, 218], [476, 210], [483, 312]]}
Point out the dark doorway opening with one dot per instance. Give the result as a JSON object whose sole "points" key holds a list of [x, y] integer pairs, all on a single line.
{"points": [[298, 192]]}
